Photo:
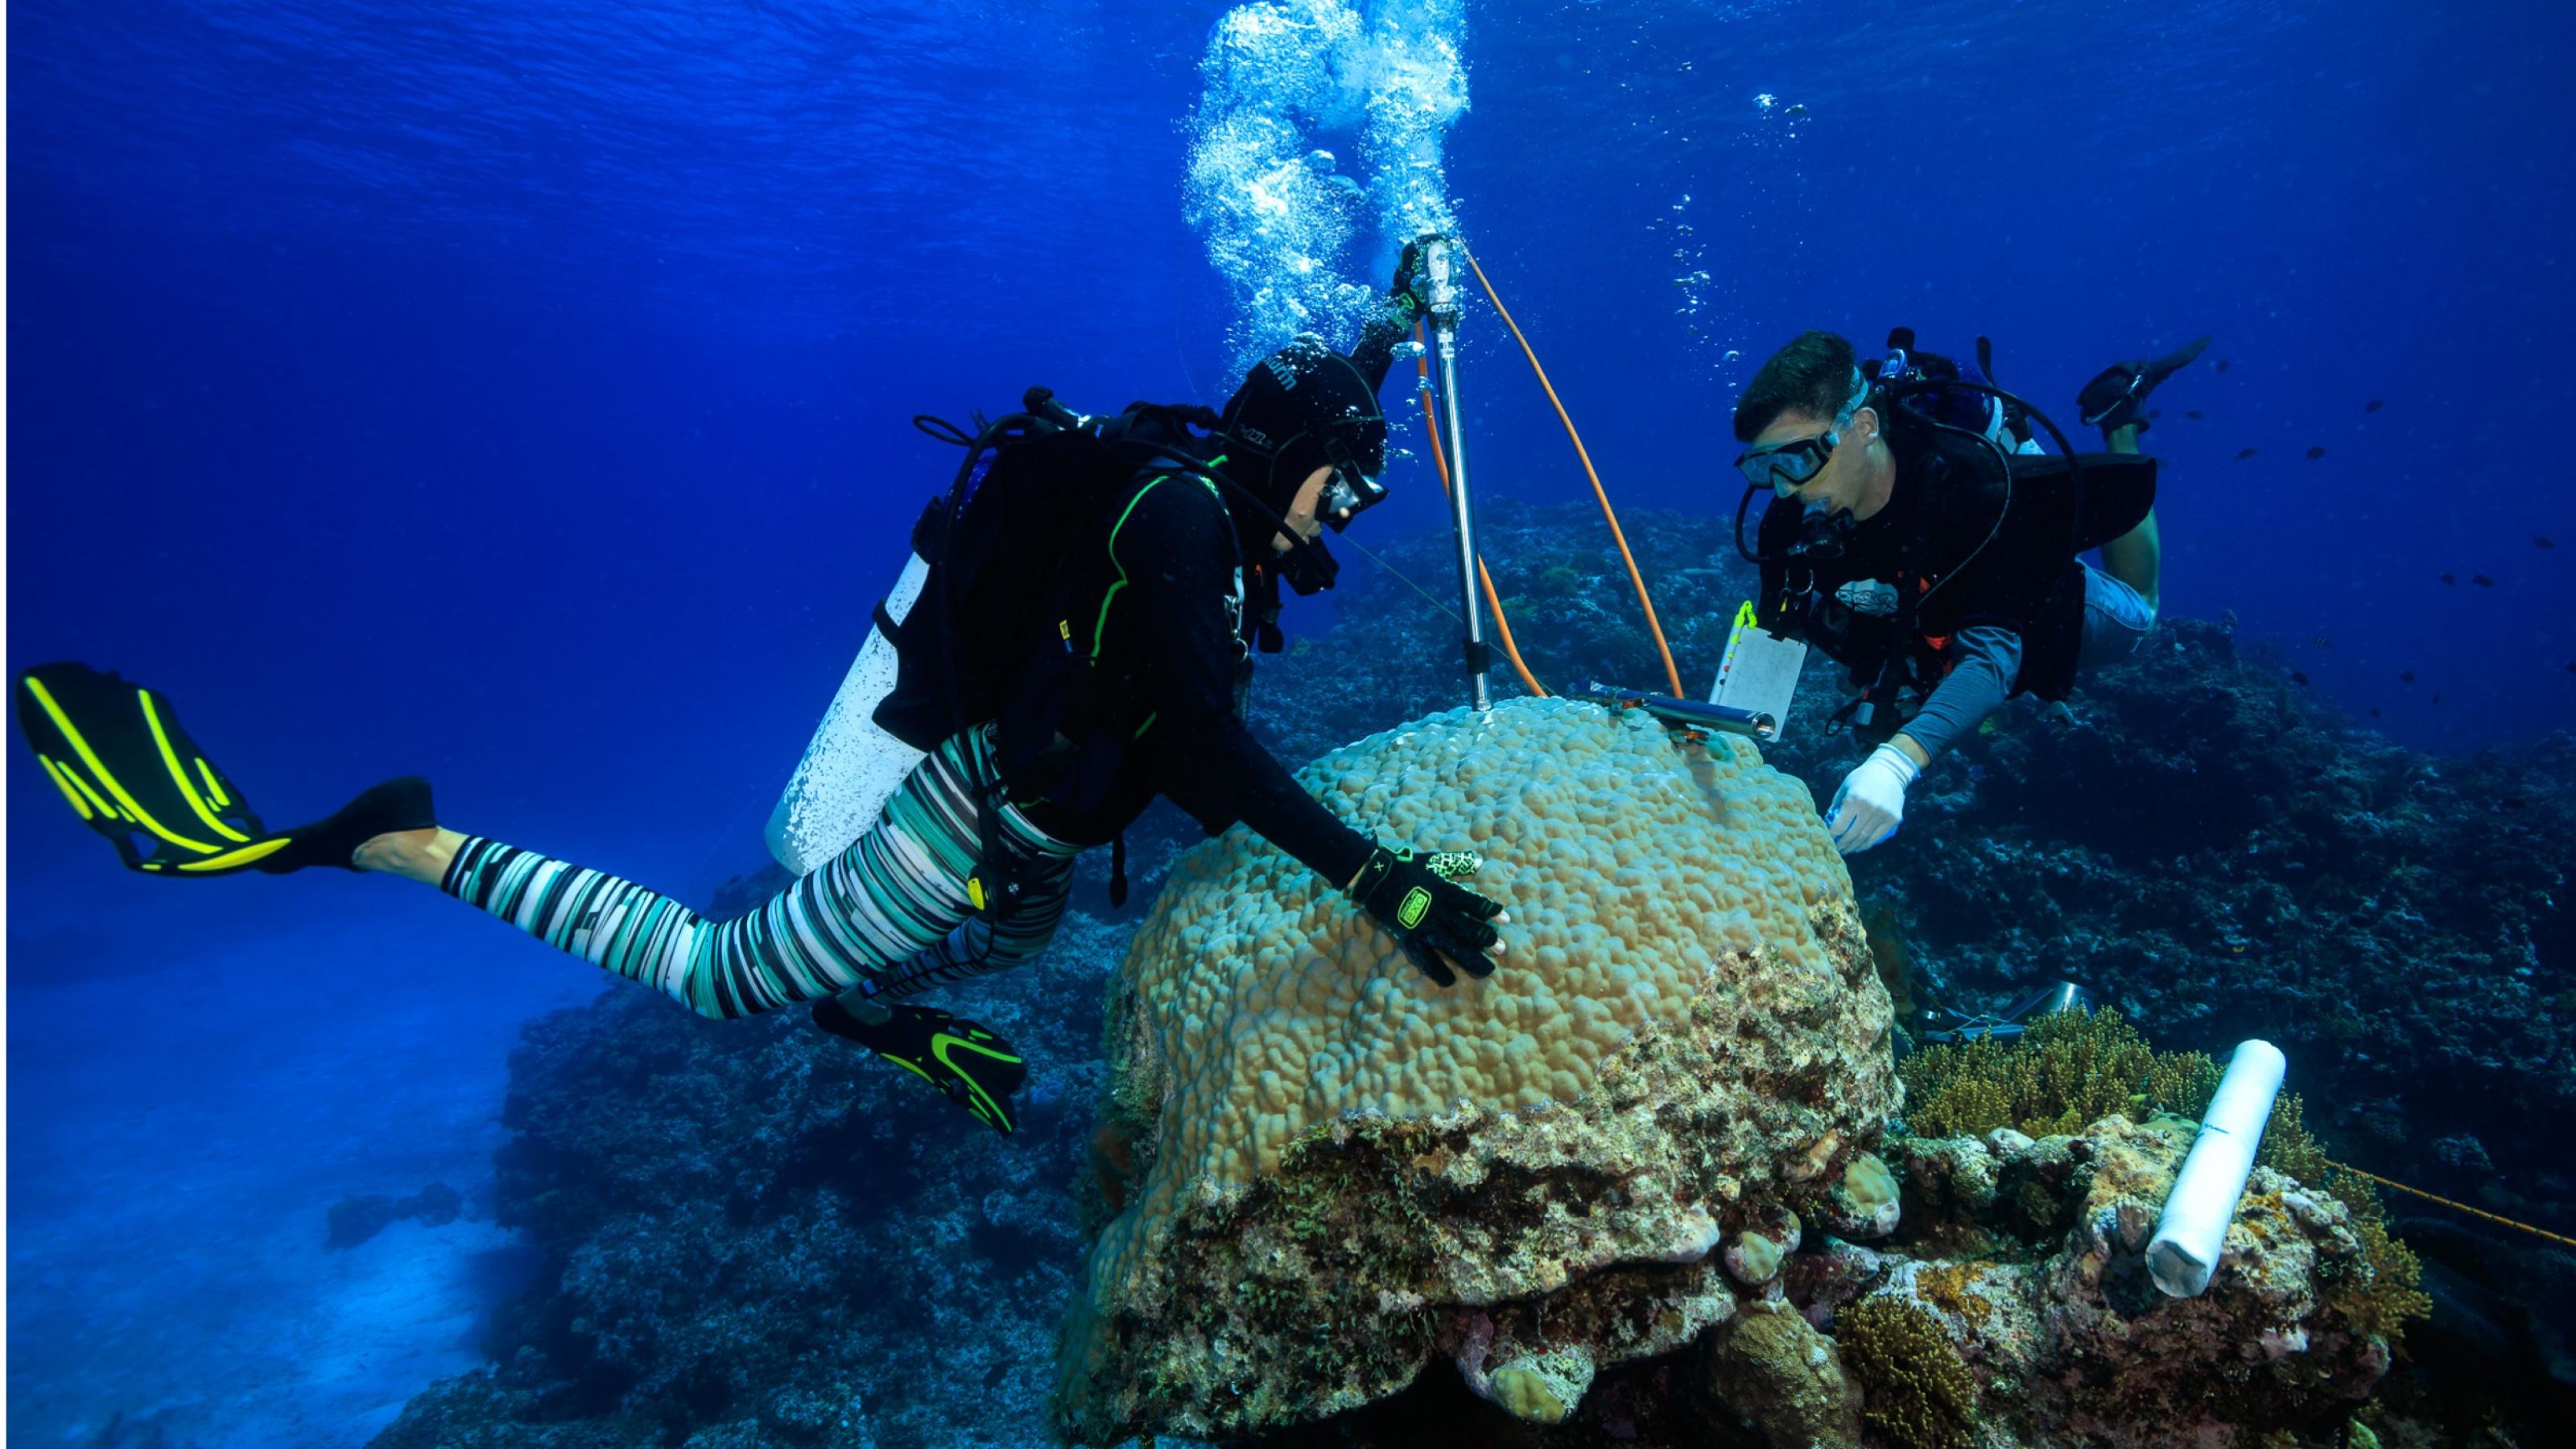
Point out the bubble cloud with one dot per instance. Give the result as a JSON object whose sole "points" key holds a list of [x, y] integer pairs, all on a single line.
{"points": [[1376, 88]]}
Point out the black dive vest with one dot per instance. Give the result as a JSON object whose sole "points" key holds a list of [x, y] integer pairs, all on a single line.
{"points": [[1960, 545]]}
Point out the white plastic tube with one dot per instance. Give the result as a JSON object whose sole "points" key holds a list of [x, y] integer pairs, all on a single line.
{"points": [[2185, 1250], [852, 768]]}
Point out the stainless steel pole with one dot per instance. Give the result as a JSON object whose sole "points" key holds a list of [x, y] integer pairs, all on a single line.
{"points": [[1445, 306]]}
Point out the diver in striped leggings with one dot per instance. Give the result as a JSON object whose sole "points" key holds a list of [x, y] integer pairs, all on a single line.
{"points": [[1136, 693], [885, 920]]}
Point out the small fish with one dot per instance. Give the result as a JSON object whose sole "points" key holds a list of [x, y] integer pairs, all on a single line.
{"points": [[2542, 540], [2451, 579], [2154, 413], [2482, 581], [2513, 802], [2298, 679], [2374, 714], [2222, 364], [2437, 699], [2244, 453], [2406, 674], [2316, 452], [2374, 405], [2571, 666], [2194, 415]]}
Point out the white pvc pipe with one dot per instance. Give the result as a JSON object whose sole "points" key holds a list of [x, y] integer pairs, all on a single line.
{"points": [[2185, 1250], [853, 767]]}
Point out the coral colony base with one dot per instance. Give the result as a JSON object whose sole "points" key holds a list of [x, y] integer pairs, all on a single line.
{"points": [[1656, 1181]]}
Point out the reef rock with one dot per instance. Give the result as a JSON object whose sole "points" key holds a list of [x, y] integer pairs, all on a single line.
{"points": [[1338, 1173], [2071, 1343]]}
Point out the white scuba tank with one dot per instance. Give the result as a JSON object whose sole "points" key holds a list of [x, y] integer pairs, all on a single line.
{"points": [[852, 767]]}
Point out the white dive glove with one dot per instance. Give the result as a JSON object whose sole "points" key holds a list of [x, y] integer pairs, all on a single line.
{"points": [[1871, 803]]}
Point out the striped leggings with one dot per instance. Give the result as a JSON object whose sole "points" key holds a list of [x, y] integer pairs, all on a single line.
{"points": [[889, 916]]}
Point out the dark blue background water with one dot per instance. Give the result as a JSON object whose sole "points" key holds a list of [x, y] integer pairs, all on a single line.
{"points": [[518, 396]]}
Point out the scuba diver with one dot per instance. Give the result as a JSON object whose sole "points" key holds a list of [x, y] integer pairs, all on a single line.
{"points": [[1918, 536], [1132, 686]]}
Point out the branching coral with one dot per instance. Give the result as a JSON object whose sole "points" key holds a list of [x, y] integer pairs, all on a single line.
{"points": [[1920, 1392], [2379, 1300], [2069, 1070]]}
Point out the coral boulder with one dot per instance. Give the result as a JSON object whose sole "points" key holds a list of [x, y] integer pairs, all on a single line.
{"points": [[1336, 1173]]}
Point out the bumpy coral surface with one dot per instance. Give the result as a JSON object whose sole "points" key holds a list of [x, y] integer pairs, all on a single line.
{"points": [[1343, 1170]]}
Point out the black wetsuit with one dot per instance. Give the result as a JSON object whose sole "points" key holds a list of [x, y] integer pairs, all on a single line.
{"points": [[1150, 694], [1990, 558], [1166, 594]]}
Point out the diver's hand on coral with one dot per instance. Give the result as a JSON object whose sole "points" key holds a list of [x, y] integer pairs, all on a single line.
{"points": [[1871, 802], [1439, 923]]}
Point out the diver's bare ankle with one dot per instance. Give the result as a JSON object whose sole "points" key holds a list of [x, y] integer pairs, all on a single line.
{"points": [[421, 855]]}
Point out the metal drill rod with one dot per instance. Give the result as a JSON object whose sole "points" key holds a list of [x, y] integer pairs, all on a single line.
{"points": [[1445, 307]]}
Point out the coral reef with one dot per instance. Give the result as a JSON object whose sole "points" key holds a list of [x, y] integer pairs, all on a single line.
{"points": [[354, 1220], [1781, 1381], [758, 1237], [2208, 846], [2078, 1066], [2045, 1294], [1352, 1172], [1918, 1390]]}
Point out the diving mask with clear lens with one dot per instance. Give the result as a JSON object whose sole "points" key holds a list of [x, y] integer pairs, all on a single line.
{"points": [[1784, 468]]}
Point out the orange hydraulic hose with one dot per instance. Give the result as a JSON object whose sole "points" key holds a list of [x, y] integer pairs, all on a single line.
{"points": [[1440, 464], [1653, 623]]}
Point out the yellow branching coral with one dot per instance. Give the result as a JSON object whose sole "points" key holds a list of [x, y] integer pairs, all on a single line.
{"points": [[2070, 1069], [1920, 1394], [2376, 1299]]}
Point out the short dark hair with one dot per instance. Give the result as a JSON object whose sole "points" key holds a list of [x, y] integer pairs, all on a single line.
{"points": [[1812, 375]]}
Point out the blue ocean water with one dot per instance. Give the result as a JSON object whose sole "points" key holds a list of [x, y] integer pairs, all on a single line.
{"points": [[519, 396]]}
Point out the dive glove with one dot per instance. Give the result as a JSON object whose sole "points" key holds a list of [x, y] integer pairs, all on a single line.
{"points": [[972, 1067], [1411, 289], [1438, 922], [1871, 803]]}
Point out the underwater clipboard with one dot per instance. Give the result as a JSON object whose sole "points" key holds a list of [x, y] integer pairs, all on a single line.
{"points": [[1760, 670]]}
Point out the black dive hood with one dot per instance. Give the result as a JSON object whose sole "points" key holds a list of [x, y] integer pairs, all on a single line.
{"points": [[1302, 408]]}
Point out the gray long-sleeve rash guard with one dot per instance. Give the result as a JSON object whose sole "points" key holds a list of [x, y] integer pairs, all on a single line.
{"points": [[1989, 660]]}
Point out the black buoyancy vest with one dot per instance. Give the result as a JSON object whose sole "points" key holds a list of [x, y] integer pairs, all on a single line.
{"points": [[2027, 578]]}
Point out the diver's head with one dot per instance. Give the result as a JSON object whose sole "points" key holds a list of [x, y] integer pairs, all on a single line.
{"points": [[1816, 438], [1301, 411]]}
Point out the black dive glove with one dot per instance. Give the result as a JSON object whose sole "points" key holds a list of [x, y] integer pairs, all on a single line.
{"points": [[1410, 292], [970, 1066], [1437, 922]]}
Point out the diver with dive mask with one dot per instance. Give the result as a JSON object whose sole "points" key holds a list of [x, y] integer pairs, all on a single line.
{"points": [[1917, 536]]}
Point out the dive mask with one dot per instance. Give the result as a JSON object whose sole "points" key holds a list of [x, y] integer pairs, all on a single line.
{"points": [[1348, 494], [1784, 468]]}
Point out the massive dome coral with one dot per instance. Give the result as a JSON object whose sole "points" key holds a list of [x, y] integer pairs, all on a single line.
{"points": [[1326, 1173]]}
